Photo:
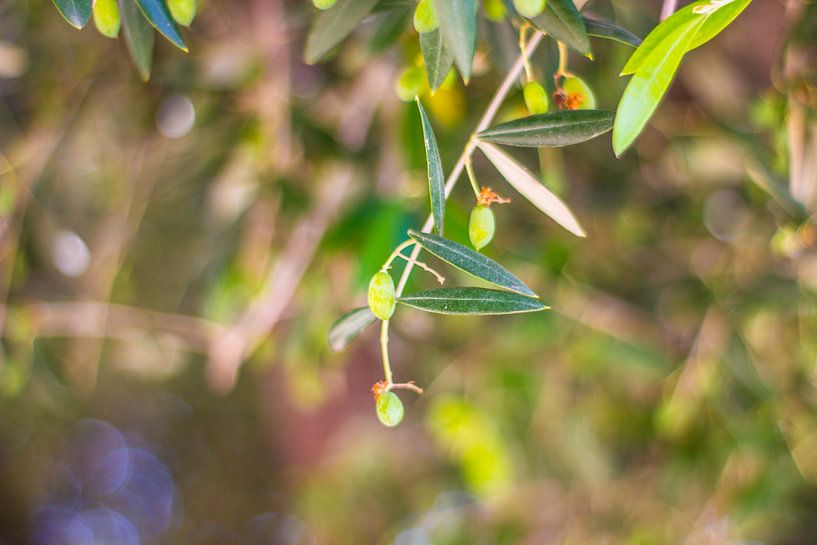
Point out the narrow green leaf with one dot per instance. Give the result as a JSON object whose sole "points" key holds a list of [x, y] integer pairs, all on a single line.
{"points": [[138, 37], [471, 301], [348, 327], [531, 188], [332, 26], [76, 12], [650, 82], [556, 129], [563, 21], [158, 15], [437, 57], [458, 24], [610, 31], [436, 180], [474, 263]]}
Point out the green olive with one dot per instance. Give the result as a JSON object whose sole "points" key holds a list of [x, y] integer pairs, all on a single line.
{"points": [[410, 83], [381, 295], [529, 8], [106, 18], [494, 10], [425, 18], [183, 11], [323, 4], [481, 227], [389, 409], [579, 94], [536, 98]]}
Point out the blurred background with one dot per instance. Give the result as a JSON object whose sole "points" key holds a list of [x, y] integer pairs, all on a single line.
{"points": [[173, 252]]}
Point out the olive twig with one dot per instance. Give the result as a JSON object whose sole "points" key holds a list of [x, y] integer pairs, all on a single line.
{"points": [[523, 31], [562, 70], [469, 169], [440, 278], [384, 349], [396, 253]]}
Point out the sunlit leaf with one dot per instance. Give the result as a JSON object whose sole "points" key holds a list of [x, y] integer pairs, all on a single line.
{"points": [[458, 24], [348, 327], [610, 31], [471, 301], [138, 37], [563, 21], [436, 180], [530, 188], [556, 129], [474, 263], [158, 15], [76, 12], [718, 21], [330, 27], [437, 58]]}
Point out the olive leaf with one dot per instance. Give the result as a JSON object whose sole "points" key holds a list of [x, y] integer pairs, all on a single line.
{"points": [[436, 56], [330, 27], [610, 31], [530, 188], [474, 263], [564, 23], [458, 25], [138, 37], [158, 15], [436, 180], [348, 327], [556, 129], [471, 301], [76, 12]]}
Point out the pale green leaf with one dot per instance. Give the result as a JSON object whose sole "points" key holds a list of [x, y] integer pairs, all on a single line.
{"points": [[458, 24]]}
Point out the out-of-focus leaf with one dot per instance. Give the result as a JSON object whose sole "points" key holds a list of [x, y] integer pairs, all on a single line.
{"points": [[348, 327], [389, 5], [647, 87], [138, 37], [471, 301], [530, 188], [556, 129], [330, 27], [474, 263], [76, 12], [389, 27], [436, 180], [563, 21], [437, 57], [610, 31], [458, 24], [158, 15]]}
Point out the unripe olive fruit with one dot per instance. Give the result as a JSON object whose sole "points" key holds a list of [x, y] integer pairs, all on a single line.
{"points": [[410, 83], [482, 226], [425, 18], [536, 98], [389, 409], [107, 18], [381, 295], [494, 10], [579, 94], [529, 8], [183, 11], [323, 4]]}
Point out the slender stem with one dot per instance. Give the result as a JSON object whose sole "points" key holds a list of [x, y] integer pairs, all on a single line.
{"points": [[563, 59], [483, 123], [384, 350], [523, 31], [469, 168], [440, 278], [396, 253]]}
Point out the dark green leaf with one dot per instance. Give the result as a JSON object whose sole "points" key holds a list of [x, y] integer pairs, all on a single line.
{"points": [[474, 263], [563, 21], [458, 24], [330, 27], [348, 327], [471, 301], [436, 180], [556, 129], [158, 15], [437, 57], [76, 12], [138, 37], [610, 31]]}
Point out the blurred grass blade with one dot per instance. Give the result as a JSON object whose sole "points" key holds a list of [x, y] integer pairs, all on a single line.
{"points": [[138, 37], [437, 58], [436, 180], [348, 327], [647, 87], [158, 15], [332, 26], [610, 31], [563, 22], [472, 262], [458, 24], [530, 188], [471, 301], [76, 12], [556, 129]]}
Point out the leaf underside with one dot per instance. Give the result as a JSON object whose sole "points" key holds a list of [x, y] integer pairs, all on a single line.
{"points": [[348, 327], [458, 24], [471, 301]]}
